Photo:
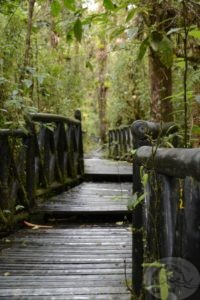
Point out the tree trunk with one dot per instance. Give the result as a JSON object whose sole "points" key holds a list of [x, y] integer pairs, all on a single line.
{"points": [[102, 92], [196, 116], [161, 89], [28, 39]]}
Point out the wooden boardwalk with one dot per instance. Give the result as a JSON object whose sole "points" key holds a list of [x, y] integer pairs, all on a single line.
{"points": [[72, 261], [90, 198], [102, 169]]}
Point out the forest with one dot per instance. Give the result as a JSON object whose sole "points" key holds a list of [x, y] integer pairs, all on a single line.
{"points": [[116, 60]]}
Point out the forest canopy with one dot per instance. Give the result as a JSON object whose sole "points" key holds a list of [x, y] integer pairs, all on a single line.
{"points": [[116, 60]]}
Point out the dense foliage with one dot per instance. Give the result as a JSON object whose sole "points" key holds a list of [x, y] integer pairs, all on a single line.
{"points": [[116, 60]]}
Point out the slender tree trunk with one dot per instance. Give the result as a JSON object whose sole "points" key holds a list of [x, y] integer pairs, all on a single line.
{"points": [[196, 116], [160, 75], [102, 92], [28, 39], [37, 85], [161, 89]]}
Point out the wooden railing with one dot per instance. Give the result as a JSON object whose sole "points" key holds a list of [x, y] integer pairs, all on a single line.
{"points": [[126, 138], [120, 142], [47, 155], [166, 222]]}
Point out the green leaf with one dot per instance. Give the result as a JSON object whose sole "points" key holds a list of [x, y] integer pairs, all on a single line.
{"points": [[3, 80], [133, 151], [70, 4], [40, 78], [132, 32], [165, 51], [119, 223], [174, 30], [117, 32], [135, 200], [163, 283], [145, 179], [195, 33], [19, 207], [78, 30], [55, 8], [180, 62], [108, 4], [7, 212], [28, 83], [130, 14], [89, 65], [143, 48], [196, 129]]}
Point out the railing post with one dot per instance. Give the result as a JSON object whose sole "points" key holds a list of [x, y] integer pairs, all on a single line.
{"points": [[110, 143], [191, 234], [4, 173], [144, 133], [30, 164], [78, 116]]}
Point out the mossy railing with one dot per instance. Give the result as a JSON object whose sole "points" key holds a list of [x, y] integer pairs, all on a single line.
{"points": [[120, 142], [47, 155], [166, 222], [126, 138]]}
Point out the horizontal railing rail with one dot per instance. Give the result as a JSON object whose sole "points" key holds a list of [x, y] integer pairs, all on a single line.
{"points": [[126, 138], [120, 142], [46, 155], [166, 221]]}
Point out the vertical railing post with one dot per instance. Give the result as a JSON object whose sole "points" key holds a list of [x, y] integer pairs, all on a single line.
{"points": [[30, 164], [4, 173], [137, 232], [191, 235], [110, 144], [78, 116]]}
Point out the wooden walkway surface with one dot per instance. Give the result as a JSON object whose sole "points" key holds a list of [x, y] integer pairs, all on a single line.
{"points": [[90, 198], [71, 261], [97, 169]]}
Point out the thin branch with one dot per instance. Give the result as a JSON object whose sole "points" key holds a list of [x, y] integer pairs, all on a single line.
{"points": [[185, 43], [126, 280]]}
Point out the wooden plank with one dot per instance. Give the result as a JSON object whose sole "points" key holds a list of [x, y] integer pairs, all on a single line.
{"points": [[63, 291], [66, 263], [73, 262], [60, 270], [72, 297], [90, 198], [107, 170], [104, 166], [71, 278]]}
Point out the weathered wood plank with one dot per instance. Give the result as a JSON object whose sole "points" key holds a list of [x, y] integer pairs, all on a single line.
{"points": [[66, 263], [107, 170], [73, 261], [63, 291], [72, 297], [60, 270], [104, 166], [90, 198]]}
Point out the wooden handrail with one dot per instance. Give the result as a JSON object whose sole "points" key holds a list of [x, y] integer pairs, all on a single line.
{"points": [[46, 155], [47, 118], [13, 132], [178, 162], [123, 139], [166, 222], [143, 129]]}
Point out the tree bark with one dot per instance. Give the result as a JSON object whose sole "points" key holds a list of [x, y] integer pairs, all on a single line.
{"points": [[196, 115], [161, 89], [102, 92], [160, 75], [28, 39]]}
